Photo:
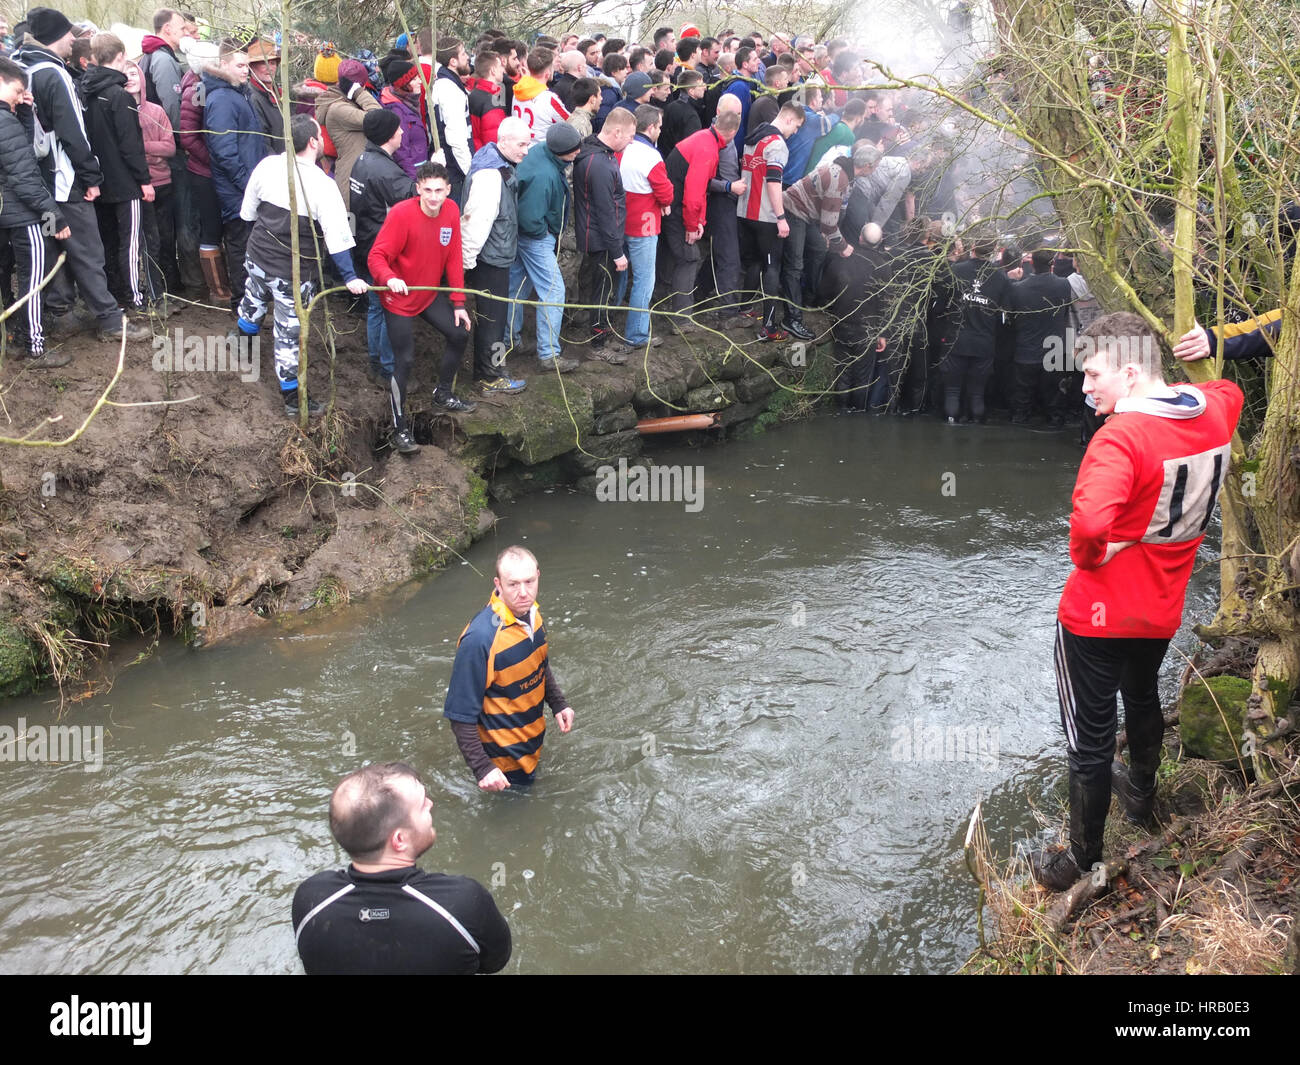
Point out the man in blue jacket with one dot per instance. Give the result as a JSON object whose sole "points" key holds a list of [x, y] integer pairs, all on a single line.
{"points": [[543, 209], [741, 87], [236, 143]]}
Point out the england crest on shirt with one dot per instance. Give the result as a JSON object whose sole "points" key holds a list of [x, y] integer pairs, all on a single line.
{"points": [[444, 236]]}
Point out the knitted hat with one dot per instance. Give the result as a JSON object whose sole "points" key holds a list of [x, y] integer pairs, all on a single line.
{"points": [[562, 138], [327, 68], [379, 125], [689, 29], [354, 70], [47, 25], [637, 84], [401, 73]]}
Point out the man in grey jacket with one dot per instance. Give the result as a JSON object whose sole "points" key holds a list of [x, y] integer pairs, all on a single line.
{"points": [[490, 243], [162, 70]]}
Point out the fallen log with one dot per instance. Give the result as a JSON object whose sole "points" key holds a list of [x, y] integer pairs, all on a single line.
{"points": [[1089, 887]]}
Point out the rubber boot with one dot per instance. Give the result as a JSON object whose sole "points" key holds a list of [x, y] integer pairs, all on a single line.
{"points": [[1136, 790], [1059, 870], [1089, 804], [213, 263]]}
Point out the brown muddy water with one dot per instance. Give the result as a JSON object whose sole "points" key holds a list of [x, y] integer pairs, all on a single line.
{"points": [[788, 700]]}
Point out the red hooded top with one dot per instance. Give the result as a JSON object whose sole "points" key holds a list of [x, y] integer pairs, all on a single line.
{"points": [[1151, 474]]}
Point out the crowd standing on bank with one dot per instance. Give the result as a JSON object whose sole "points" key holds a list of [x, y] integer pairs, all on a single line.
{"points": [[729, 183]]}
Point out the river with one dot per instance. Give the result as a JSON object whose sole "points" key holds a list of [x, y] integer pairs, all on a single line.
{"points": [[788, 700]]}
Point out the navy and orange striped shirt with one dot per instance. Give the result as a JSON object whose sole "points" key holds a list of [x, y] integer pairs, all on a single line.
{"points": [[499, 681]]}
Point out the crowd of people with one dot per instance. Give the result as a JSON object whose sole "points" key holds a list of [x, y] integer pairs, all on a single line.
{"points": [[729, 183]]}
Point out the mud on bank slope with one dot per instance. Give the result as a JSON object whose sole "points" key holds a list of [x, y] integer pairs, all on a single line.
{"points": [[192, 504]]}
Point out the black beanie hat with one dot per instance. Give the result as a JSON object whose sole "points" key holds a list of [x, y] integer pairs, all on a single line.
{"points": [[379, 125], [47, 25]]}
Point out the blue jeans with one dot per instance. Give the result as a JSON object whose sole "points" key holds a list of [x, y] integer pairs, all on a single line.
{"points": [[381, 351], [641, 261], [536, 270]]}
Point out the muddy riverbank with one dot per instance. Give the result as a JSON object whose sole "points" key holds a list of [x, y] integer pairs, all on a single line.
{"points": [[191, 506]]}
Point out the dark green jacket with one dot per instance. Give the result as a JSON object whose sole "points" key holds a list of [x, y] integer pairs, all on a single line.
{"points": [[543, 194]]}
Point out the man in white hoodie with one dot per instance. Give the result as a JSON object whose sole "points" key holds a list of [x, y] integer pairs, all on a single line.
{"points": [[451, 112]]}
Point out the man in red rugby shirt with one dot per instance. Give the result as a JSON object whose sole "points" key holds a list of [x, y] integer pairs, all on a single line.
{"points": [[419, 245], [1142, 502]]}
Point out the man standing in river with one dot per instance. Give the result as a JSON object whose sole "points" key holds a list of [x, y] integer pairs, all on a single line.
{"points": [[1142, 502], [383, 915], [500, 679]]}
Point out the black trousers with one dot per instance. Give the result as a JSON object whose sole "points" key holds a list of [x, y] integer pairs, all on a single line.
{"points": [[679, 263], [1090, 671], [26, 244], [235, 234], [605, 276], [209, 209], [724, 247], [1033, 388], [760, 255], [968, 373], [489, 319], [803, 246], [160, 239], [124, 227], [401, 334]]}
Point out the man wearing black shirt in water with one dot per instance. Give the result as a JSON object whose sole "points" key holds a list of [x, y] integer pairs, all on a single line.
{"points": [[983, 293], [384, 914]]}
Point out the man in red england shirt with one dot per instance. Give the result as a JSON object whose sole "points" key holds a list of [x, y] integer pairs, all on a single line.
{"points": [[1142, 502], [419, 245]]}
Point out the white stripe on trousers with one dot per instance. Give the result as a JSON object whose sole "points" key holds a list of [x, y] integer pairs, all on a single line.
{"points": [[137, 297], [36, 274], [1065, 691]]}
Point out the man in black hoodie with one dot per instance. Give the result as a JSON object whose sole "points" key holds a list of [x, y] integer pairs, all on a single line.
{"points": [[114, 127], [377, 182], [599, 212], [682, 115], [70, 170]]}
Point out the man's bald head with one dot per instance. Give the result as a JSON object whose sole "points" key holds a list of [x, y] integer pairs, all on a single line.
{"points": [[572, 62], [729, 104], [369, 805]]}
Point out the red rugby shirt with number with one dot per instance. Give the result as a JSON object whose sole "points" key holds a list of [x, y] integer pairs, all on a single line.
{"points": [[1153, 480]]}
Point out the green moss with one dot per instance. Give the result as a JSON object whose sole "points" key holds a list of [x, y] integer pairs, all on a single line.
{"points": [[18, 662], [476, 499], [330, 592], [541, 423], [72, 579], [1204, 707]]}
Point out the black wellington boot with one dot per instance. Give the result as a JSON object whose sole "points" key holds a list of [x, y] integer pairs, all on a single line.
{"points": [[1089, 804]]}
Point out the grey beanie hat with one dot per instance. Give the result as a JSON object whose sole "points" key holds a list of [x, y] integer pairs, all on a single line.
{"points": [[562, 138]]}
